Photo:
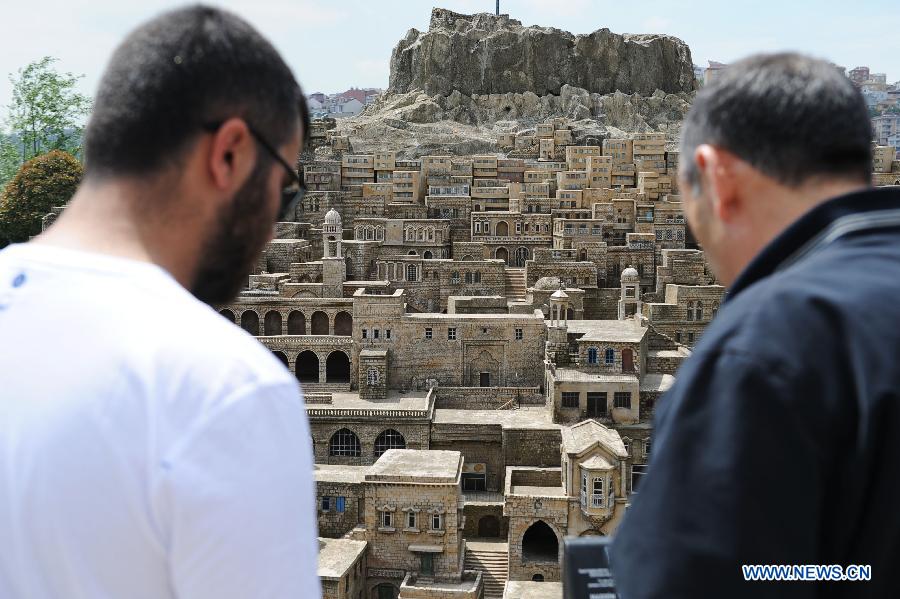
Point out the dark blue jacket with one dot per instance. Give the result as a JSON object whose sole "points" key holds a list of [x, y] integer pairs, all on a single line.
{"points": [[779, 442]]}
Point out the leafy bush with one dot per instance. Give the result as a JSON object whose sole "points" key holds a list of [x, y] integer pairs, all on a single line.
{"points": [[43, 182]]}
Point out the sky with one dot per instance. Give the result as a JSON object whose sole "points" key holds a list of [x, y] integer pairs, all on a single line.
{"points": [[333, 45]]}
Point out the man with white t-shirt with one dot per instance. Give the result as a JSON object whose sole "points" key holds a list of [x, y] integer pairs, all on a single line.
{"points": [[148, 448]]}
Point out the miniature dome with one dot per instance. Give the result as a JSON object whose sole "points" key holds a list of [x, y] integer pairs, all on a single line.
{"points": [[546, 283], [630, 274], [332, 218]]}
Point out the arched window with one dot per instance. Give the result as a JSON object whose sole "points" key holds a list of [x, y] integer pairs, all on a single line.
{"points": [[228, 314], [539, 543], [372, 377], [593, 355], [379, 233], [690, 310], [250, 322], [337, 367], [411, 272], [389, 439], [715, 309], [343, 323], [296, 323], [272, 323], [699, 311], [454, 277], [344, 443], [610, 357]]}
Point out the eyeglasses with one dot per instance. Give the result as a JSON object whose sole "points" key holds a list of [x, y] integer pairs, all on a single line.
{"points": [[291, 193]]}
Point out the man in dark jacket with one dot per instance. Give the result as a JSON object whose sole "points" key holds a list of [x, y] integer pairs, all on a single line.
{"points": [[779, 443]]}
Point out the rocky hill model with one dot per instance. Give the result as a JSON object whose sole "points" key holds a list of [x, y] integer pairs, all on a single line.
{"points": [[457, 86]]}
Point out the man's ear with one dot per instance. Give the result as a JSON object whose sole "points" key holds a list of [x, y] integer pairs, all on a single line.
{"points": [[232, 155], [717, 168]]}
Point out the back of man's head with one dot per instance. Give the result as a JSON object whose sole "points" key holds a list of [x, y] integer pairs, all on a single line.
{"points": [[177, 73], [791, 117]]}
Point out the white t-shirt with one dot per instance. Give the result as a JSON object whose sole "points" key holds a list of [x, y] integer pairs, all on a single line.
{"points": [[148, 448]]}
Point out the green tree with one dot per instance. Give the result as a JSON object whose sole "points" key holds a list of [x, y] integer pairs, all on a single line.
{"points": [[41, 183], [46, 112], [9, 159]]}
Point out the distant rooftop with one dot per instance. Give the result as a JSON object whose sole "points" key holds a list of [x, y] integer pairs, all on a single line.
{"points": [[523, 418], [335, 473], [416, 466], [336, 556], [616, 331]]}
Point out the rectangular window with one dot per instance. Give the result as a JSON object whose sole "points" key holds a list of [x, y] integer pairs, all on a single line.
{"points": [[596, 404], [451, 333], [518, 334], [387, 519], [570, 399], [690, 337], [376, 333], [387, 333], [646, 448], [677, 337], [518, 227], [436, 522], [622, 399], [472, 481], [365, 333], [411, 520], [326, 504], [637, 472], [597, 493], [428, 332], [340, 505]]}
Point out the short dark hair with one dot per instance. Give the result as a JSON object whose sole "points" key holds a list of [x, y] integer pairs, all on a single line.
{"points": [[789, 116], [181, 70]]}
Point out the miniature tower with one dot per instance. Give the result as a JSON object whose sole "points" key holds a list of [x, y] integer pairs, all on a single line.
{"points": [[557, 348], [630, 300], [334, 271], [332, 232]]}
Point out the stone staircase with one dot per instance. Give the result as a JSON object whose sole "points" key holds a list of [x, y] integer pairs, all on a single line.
{"points": [[492, 563], [515, 284]]}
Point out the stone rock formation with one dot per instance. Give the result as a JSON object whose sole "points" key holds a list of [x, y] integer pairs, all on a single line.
{"points": [[489, 54], [469, 78]]}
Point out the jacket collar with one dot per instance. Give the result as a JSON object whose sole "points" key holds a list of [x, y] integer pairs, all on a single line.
{"points": [[871, 208]]}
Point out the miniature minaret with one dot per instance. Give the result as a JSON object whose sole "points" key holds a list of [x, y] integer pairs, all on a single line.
{"points": [[557, 348], [630, 300], [332, 231], [334, 271]]}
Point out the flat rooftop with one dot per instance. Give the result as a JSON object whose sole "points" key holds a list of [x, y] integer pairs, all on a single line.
{"points": [[538, 417], [527, 589], [617, 331], [425, 466], [570, 375], [432, 316], [334, 473], [395, 400], [535, 491], [657, 382], [336, 556]]}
